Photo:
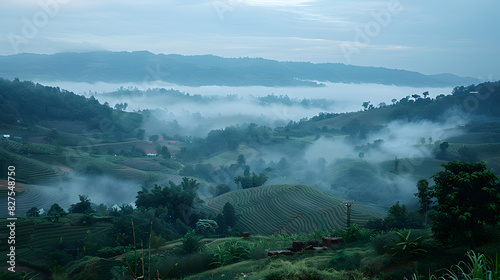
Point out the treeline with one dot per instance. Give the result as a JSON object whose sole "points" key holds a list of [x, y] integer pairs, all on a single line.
{"points": [[26, 103]]}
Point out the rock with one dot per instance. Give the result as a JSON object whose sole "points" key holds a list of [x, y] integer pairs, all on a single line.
{"points": [[298, 246], [279, 252], [330, 241], [310, 247], [314, 243]]}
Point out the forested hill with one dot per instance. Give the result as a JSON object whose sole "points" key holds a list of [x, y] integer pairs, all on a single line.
{"points": [[479, 103], [26, 103], [200, 70]]}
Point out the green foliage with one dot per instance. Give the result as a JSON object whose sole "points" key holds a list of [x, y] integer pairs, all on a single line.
{"points": [[252, 181], [406, 247], [229, 214], [424, 197], [191, 243], [154, 138], [346, 261], [468, 198], [102, 209], [156, 240], [353, 233], [56, 211], [302, 270], [205, 226], [33, 212], [165, 153], [84, 206], [92, 244], [383, 242], [479, 267], [221, 189], [108, 252], [177, 199], [86, 220], [232, 251]]}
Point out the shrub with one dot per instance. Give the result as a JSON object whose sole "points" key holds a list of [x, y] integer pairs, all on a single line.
{"points": [[344, 261], [232, 251], [191, 243], [381, 242], [352, 233]]}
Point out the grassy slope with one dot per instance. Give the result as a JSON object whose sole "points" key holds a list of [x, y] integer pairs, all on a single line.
{"points": [[289, 209]]}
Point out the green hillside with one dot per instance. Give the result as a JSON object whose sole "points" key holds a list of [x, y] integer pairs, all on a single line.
{"points": [[289, 209]]}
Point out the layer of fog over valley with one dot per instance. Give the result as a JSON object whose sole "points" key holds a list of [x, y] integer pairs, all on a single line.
{"points": [[386, 162]]}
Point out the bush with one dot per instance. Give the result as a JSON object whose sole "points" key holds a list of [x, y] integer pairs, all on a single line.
{"points": [[352, 233], [344, 261], [191, 243], [381, 242], [232, 251], [108, 252]]}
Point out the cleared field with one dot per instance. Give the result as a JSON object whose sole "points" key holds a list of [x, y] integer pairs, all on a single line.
{"points": [[289, 209]]}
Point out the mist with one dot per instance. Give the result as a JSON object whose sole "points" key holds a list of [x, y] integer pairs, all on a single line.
{"points": [[214, 107], [380, 169], [66, 191]]}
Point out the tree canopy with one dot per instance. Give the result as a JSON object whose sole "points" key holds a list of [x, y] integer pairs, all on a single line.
{"points": [[468, 199]]}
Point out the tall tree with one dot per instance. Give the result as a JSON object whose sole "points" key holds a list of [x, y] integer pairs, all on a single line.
{"points": [[229, 214], [33, 212], [241, 160], [424, 197], [56, 211], [468, 199]]}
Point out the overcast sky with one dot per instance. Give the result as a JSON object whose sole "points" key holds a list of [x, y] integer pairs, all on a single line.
{"points": [[458, 37]]}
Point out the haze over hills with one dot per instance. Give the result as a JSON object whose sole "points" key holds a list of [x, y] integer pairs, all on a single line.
{"points": [[202, 70]]}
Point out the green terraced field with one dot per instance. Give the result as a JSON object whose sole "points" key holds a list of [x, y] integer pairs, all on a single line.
{"points": [[289, 209], [28, 169]]}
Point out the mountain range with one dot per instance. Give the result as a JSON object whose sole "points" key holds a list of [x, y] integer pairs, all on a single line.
{"points": [[203, 70]]}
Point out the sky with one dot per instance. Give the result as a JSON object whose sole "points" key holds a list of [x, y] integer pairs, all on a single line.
{"points": [[431, 37]]}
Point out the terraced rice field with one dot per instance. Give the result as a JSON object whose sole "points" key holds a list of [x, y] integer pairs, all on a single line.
{"points": [[143, 165], [39, 235], [28, 169], [289, 209], [34, 196]]}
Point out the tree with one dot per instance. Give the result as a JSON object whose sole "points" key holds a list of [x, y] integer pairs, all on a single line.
{"points": [[443, 146], [229, 214], [241, 160], [165, 153], [56, 211], [140, 134], [396, 216], [425, 94], [361, 155], [221, 189], [252, 181], [468, 199], [154, 138], [394, 100], [33, 212], [81, 207], [366, 104], [424, 197], [205, 226]]}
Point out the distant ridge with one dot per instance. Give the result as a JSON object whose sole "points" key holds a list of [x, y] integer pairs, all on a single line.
{"points": [[203, 70]]}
